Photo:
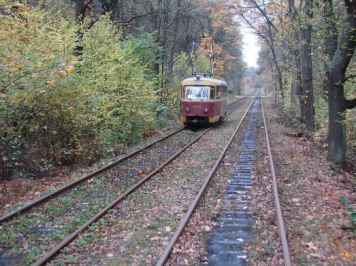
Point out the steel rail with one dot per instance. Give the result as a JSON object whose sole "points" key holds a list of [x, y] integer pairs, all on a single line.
{"points": [[194, 204], [280, 222], [80, 180], [50, 254]]}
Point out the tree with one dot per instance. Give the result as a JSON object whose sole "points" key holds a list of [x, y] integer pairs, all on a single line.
{"points": [[263, 26], [306, 95], [340, 59], [334, 31]]}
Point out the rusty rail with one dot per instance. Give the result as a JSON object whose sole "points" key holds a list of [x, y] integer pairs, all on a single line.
{"points": [[164, 256], [77, 182], [280, 222]]}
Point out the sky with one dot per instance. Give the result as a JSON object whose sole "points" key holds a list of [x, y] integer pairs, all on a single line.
{"points": [[250, 48]]}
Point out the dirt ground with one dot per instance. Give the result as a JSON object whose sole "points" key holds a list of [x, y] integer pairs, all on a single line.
{"points": [[317, 199]]}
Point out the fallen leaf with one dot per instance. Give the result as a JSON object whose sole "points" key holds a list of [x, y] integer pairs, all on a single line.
{"points": [[346, 255], [310, 245], [316, 255]]}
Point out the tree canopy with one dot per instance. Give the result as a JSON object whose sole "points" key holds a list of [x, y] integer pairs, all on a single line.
{"points": [[82, 79], [306, 60]]}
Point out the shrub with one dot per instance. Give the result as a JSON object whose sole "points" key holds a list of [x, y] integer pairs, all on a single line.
{"points": [[56, 108]]}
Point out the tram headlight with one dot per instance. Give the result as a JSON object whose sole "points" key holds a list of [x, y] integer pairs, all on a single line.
{"points": [[187, 109], [206, 110]]}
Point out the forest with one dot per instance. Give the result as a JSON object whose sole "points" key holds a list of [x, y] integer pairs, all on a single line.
{"points": [[82, 79]]}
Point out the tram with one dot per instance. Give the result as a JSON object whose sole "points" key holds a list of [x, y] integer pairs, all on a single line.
{"points": [[203, 100]]}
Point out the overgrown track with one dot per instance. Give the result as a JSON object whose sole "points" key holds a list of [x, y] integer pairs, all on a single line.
{"points": [[234, 224], [139, 168], [77, 205], [118, 163], [195, 202]]}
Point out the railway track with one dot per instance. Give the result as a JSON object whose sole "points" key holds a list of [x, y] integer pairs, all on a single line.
{"points": [[28, 231], [279, 215], [103, 233], [74, 207], [144, 163], [234, 223]]}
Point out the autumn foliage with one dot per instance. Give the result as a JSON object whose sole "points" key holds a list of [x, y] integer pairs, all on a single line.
{"points": [[55, 107], [79, 82]]}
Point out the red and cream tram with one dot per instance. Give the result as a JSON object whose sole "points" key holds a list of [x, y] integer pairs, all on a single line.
{"points": [[203, 100]]}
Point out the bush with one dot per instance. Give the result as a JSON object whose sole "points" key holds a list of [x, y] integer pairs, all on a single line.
{"points": [[38, 96], [119, 90], [56, 108]]}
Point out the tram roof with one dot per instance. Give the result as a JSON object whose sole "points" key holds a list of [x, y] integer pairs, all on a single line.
{"points": [[201, 80]]}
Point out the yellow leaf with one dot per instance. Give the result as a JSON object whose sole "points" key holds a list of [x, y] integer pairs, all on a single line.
{"points": [[51, 56], [346, 255], [71, 70], [61, 73]]}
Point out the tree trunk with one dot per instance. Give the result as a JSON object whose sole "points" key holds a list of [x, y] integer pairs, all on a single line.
{"points": [[307, 94], [276, 64], [114, 10], [156, 22], [337, 108], [79, 10], [297, 76], [296, 79], [336, 80], [331, 40], [174, 40]]}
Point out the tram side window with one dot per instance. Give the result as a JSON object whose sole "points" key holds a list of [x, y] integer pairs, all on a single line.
{"points": [[218, 92], [212, 93], [223, 91]]}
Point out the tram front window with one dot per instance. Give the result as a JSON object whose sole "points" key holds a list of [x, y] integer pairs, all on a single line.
{"points": [[197, 93]]}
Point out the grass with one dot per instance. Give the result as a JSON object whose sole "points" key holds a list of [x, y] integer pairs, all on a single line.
{"points": [[157, 224], [81, 241], [139, 242]]}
